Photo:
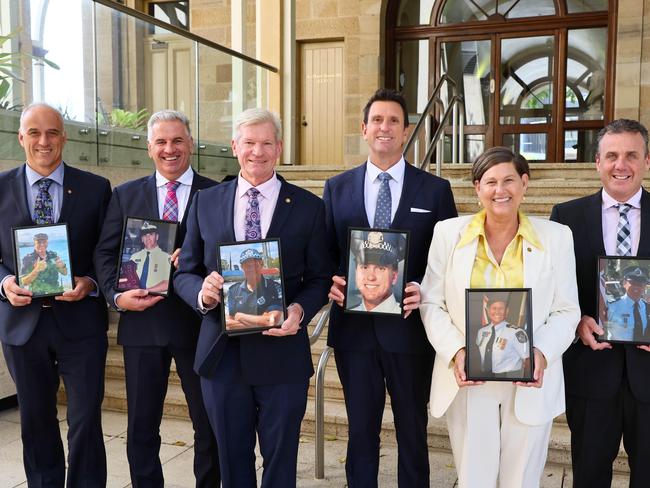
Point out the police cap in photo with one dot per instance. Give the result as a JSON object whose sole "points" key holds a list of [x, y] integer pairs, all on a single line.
{"points": [[40, 237], [148, 228], [249, 253], [381, 248], [636, 274]]}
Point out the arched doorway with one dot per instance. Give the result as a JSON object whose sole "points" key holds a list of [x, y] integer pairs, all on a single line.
{"points": [[536, 75]]}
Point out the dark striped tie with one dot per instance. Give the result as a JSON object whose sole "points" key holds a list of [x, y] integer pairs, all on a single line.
{"points": [[623, 237]]}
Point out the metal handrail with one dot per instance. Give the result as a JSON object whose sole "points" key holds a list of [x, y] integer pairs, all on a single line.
{"points": [[319, 454], [320, 325]]}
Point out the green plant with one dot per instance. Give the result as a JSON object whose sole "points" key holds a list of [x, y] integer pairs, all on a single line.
{"points": [[11, 61], [126, 119]]}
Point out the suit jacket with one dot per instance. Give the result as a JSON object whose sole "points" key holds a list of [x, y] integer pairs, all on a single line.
{"points": [[345, 207], [550, 274], [299, 222], [598, 374], [170, 321], [85, 198]]}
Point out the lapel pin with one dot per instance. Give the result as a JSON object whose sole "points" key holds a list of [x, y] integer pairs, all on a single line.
{"points": [[69, 191], [287, 200], [529, 249]]}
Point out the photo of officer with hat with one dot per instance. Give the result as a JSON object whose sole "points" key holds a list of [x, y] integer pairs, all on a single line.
{"points": [[153, 265], [257, 300], [503, 347], [41, 268], [627, 317], [376, 270]]}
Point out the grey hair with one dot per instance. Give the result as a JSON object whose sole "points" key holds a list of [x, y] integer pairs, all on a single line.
{"points": [[167, 116], [620, 126], [32, 105], [254, 116]]}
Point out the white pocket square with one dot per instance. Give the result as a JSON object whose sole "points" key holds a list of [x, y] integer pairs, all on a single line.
{"points": [[420, 210]]}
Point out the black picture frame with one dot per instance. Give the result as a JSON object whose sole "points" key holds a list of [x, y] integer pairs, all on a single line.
{"points": [[132, 260], [617, 277], [236, 296], [385, 246], [57, 249], [516, 362]]}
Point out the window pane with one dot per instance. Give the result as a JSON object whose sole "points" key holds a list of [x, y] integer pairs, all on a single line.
{"points": [[474, 147], [413, 73], [513, 9], [468, 64], [174, 13], [530, 146], [580, 145], [414, 12], [527, 80], [456, 11], [575, 6], [585, 91]]}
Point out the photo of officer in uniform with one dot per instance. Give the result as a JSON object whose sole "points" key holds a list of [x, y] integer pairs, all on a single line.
{"points": [[628, 316], [376, 266], [43, 271], [254, 303], [500, 348], [145, 264]]}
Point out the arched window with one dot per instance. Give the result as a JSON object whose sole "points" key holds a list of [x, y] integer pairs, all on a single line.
{"points": [[536, 75]]}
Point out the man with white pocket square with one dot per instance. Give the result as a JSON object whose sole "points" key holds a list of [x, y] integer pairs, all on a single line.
{"points": [[373, 352]]}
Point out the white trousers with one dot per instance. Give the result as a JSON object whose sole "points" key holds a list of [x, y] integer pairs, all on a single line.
{"points": [[491, 447]]}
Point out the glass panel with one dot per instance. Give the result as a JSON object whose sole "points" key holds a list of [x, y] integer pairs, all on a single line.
{"points": [[413, 73], [580, 145], [575, 6], [456, 11], [515, 9], [530, 146], [527, 80], [174, 13], [585, 91], [468, 63], [474, 147], [414, 12]]}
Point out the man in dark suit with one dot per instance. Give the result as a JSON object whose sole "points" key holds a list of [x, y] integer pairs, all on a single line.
{"points": [[256, 382], [153, 329], [608, 385], [373, 352], [47, 338]]}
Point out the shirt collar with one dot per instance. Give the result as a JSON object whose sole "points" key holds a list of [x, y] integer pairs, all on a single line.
{"points": [[56, 175], [476, 228], [609, 201], [184, 179], [396, 171], [266, 189]]}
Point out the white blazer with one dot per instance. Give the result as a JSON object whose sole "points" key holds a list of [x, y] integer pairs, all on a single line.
{"points": [[551, 275]]}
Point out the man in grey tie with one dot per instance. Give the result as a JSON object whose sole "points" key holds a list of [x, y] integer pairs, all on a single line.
{"points": [[608, 384], [379, 352]]}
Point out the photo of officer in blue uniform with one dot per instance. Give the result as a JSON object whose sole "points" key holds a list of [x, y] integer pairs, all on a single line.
{"points": [[256, 301], [627, 317]]}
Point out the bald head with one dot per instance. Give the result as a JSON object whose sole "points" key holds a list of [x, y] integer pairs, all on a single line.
{"points": [[42, 136]]}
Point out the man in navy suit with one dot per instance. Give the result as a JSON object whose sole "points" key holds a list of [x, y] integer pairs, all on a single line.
{"points": [[376, 352], [256, 382], [153, 329], [47, 338], [608, 384]]}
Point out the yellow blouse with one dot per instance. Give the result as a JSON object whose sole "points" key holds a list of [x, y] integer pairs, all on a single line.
{"points": [[486, 272]]}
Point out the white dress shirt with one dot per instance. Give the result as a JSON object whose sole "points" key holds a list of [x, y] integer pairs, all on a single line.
{"points": [[268, 198], [372, 184], [610, 222], [182, 191]]}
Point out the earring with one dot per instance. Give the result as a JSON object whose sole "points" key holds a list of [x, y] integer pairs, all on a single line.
{"points": [[479, 203]]}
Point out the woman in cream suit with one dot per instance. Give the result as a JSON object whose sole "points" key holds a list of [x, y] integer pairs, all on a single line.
{"points": [[499, 431]]}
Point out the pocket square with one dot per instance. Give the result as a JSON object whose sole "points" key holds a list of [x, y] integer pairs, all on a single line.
{"points": [[419, 210]]}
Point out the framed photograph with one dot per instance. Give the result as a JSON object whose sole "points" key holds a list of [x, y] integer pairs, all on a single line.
{"points": [[624, 299], [253, 292], [499, 334], [376, 271], [145, 255], [42, 259]]}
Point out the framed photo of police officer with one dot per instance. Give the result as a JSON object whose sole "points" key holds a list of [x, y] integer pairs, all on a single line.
{"points": [[253, 289], [499, 334], [624, 299], [42, 259], [376, 274], [145, 256]]}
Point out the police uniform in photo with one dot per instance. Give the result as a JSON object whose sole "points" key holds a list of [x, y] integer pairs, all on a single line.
{"points": [[47, 281], [381, 249], [267, 297], [624, 323], [153, 265], [503, 348]]}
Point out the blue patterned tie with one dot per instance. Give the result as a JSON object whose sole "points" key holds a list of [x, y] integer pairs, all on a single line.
{"points": [[43, 206], [253, 225], [384, 203]]}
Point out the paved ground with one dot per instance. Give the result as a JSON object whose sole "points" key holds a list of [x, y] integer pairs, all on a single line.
{"points": [[176, 456]]}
